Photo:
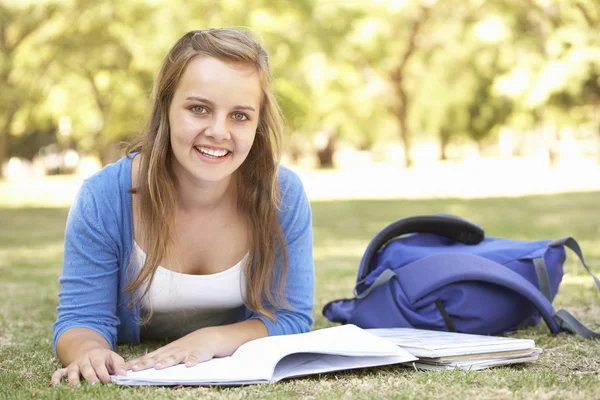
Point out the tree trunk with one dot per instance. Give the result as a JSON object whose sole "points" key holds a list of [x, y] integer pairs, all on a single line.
{"points": [[325, 156], [3, 141], [598, 131], [444, 141], [479, 148], [401, 114], [397, 78], [4, 132]]}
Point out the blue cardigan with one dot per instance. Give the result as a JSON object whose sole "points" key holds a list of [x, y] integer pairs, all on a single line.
{"points": [[99, 242]]}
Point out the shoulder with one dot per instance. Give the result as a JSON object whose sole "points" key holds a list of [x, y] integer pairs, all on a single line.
{"points": [[110, 181], [294, 206], [102, 195], [101, 209], [290, 184]]}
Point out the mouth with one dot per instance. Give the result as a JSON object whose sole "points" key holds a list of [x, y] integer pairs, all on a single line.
{"points": [[212, 153]]}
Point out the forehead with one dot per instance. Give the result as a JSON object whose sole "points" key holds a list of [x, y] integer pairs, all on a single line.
{"points": [[220, 81]]}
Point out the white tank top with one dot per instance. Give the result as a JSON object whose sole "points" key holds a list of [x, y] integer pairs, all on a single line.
{"points": [[183, 303]]}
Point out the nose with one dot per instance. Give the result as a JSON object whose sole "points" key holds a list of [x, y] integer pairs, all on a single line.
{"points": [[217, 128]]}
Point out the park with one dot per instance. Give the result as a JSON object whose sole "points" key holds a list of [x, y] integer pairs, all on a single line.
{"points": [[392, 109]]}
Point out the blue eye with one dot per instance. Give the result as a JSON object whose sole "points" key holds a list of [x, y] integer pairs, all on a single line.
{"points": [[240, 117]]}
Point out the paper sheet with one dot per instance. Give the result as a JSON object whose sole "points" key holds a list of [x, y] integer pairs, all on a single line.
{"points": [[332, 349], [434, 344]]}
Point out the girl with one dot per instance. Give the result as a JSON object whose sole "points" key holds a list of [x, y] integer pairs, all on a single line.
{"points": [[198, 234]]}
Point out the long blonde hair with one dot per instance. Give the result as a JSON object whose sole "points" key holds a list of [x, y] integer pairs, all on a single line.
{"points": [[258, 192]]}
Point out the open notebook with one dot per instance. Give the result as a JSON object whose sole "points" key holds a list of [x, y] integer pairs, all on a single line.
{"points": [[449, 350], [270, 359]]}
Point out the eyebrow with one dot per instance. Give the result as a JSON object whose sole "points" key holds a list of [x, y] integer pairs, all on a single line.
{"points": [[210, 103]]}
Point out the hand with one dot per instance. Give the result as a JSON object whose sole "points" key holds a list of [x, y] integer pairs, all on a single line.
{"points": [[191, 349], [95, 365]]}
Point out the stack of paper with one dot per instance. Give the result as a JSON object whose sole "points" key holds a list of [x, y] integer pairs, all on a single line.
{"points": [[449, 350]]}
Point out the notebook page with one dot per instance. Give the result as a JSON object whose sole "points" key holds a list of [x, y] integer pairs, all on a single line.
{"points": [[255, 361], [347, 340], [303, 364], [216, 370], [431, 344]]}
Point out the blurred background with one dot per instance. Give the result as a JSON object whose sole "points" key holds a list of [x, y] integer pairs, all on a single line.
{"points": [[432, 98]]}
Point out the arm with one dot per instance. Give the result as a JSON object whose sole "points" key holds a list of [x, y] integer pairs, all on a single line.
{"points": [[86, 353], [221, 341], [201, 345], [76, 342], [86, 322]]}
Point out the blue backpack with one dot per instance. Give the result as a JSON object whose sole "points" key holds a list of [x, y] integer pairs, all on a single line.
{"points": [[441, 273]]}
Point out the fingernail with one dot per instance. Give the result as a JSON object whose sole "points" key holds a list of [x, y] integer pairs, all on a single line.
{"points": [[158, 366], [135, 367], [188, 364]]}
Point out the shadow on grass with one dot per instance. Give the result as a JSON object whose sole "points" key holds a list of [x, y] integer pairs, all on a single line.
{"points": [[531, 217]]}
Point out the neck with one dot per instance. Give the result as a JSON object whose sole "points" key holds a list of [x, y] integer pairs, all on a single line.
{"points": [[193, 196]]}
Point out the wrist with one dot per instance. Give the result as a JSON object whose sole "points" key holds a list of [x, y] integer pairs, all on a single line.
{"points": [[77, 342], [216, 340]]}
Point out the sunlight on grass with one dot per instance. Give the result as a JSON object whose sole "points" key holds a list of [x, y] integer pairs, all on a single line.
{"points": [[466, 179], [31, 241], [51, 191]]}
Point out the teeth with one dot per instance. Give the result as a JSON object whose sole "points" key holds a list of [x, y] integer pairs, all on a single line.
{"points": [[212, 152]]}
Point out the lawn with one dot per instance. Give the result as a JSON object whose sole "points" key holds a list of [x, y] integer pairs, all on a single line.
{"points": [[30, 262]]}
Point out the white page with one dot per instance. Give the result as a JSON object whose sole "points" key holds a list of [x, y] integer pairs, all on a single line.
{"points": [[224, 369], [256, 360], [304, 364], [433, 344], [345, 340]]}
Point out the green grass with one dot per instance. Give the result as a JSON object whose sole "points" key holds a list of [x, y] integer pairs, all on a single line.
{"points": [[31, 242]]}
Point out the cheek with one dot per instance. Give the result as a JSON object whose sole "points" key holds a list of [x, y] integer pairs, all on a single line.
{"points": [[182, 127], [246, 141]]}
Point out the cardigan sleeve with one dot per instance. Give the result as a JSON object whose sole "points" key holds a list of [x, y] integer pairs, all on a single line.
{"points": [[90, 276], [296, 223]]}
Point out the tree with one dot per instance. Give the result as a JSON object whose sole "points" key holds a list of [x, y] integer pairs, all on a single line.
{"points": [[103, 72], [19, 26], [558, 43]]}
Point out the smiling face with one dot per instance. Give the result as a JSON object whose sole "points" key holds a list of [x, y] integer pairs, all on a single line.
{"points": [[213, 119]]}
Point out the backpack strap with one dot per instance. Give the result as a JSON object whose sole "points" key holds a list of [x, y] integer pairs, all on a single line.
{"points": [[572, 244], [446, 225], [444, 269], [565, 319], [569, 323]]}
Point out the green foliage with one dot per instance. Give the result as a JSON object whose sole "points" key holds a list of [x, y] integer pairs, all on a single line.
{"points": [[455, 70]]}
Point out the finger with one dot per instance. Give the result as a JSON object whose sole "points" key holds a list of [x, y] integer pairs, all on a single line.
{"points": [[57, 376], [101, 371], [144, 364], [170, 360], [130, 364], [73, 374], [87, 371], [195, 358], [117, 364]]}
